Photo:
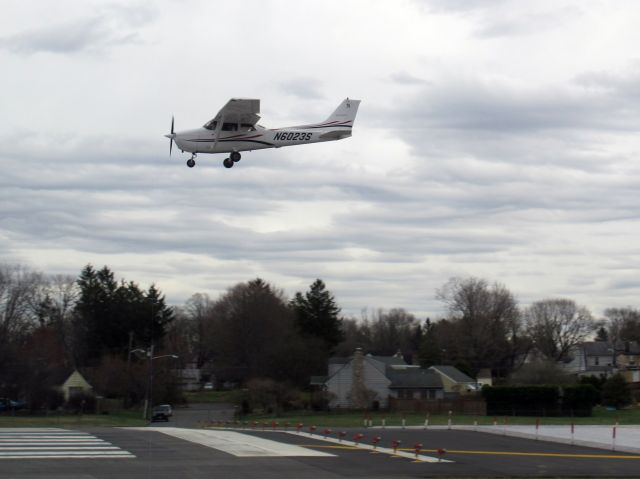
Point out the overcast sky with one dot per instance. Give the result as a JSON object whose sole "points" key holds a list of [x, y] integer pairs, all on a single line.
{"points": [[497, 139]]}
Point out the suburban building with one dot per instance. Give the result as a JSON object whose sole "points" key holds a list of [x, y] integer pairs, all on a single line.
{"points": [[75, 384], [455, 381], [591, 358], [369, 382]]}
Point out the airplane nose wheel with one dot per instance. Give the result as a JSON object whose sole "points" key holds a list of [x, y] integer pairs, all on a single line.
{"points": [[191, 162], [235, 156], [228, 163]]}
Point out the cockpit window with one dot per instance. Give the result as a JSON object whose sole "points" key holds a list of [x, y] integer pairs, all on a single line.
{"points": [[247, 127], [211, 125], [229, 127]]}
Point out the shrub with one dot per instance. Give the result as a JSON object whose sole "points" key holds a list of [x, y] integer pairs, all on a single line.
{"points": [[522, 400], [579, 400], [82, 403], [616, 392]]}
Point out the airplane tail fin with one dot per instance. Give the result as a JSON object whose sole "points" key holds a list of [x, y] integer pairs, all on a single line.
{"points": [[344, 116]]}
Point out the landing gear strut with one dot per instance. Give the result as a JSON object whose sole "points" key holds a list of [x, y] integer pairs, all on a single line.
{"points": [[191, 162]]}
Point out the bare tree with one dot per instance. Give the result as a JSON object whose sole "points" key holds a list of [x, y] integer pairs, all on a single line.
{"points": [[199, 312], [56, 299], [557, 325], [18, 298], [484, 326], [624, 323], [393, 331]]}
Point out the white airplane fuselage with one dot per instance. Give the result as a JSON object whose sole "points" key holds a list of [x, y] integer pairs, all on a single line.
{"points": [[235, 129], [201, 140]]}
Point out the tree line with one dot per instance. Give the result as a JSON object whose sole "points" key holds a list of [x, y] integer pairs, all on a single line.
{"points": [[50, 325]]}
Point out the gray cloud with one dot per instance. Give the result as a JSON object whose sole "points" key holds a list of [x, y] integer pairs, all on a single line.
{"points": [[479, 170], [303, 87], [527, 24], [114, 25], [461, 6], [404, 78]]}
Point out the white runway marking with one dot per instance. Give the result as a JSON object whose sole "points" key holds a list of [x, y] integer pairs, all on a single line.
{"points": [[237, 444], [52, 443]]}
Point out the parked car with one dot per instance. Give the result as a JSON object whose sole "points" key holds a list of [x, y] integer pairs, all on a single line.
{"points": [[7, 404], [168, 408], [161, 413]]}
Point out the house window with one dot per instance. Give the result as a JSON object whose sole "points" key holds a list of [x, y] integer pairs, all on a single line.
{"points": [[597, 361], [424, 394]]}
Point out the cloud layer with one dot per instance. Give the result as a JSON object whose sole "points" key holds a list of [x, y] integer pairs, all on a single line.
{"points": [[485, 145]]}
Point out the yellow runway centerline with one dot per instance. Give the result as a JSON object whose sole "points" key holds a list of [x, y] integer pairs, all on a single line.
{"points": [[535, 454], [489, 453]]}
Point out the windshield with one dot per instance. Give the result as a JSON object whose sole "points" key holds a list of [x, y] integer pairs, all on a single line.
{"points": [[211, 125]]}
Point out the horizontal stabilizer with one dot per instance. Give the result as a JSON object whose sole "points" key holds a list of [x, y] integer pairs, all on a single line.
{"points": [[336, 135]]}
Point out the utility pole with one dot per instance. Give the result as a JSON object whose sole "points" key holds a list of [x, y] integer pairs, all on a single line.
{"points": [[148, 402]]}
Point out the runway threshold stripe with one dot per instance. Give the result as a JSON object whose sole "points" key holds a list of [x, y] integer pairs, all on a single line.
{"points": [[59, 448], [75, 456], [535, 454], [49, 443]]}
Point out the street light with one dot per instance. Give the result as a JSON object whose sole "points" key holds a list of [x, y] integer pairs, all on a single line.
{"points": [[149, 396]]}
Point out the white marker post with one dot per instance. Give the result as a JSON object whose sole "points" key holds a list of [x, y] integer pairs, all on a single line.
{"points": [[572, 432]]}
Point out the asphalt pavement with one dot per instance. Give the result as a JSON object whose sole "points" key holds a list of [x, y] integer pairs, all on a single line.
{"points": [[155, 454]]}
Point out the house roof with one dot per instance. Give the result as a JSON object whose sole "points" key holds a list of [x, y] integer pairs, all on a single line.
{"points": [[627, 347], [453, 373], [340, 360], [389, 360], [598, 348], [414, 378], [318, 380]]}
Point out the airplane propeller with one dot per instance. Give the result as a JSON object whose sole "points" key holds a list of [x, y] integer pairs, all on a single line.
{"points": [[171, 136]]}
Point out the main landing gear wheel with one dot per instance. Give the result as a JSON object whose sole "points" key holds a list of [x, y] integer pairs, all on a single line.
{"points": [[235, 156], [228, 163], [191, 162]]}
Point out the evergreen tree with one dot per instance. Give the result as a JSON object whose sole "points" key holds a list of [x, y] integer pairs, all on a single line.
{"points": [[107, 313], [430, 350], [316, 314], [602, 334]]}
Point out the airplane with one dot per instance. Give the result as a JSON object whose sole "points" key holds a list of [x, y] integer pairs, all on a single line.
{"points": [[235, 128]]}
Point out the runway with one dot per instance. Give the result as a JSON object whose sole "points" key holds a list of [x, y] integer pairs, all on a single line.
{"points": [[198, 453]]}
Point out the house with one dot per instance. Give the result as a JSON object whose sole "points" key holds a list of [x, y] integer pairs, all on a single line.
{"points": [[455, 381], [415, 383], [189, 378], [367, 381], [627, 355], [75, 385], [627, 359], [592, 358]]}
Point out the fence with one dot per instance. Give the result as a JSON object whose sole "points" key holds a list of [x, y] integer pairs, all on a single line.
{"points": [[472, 406]]}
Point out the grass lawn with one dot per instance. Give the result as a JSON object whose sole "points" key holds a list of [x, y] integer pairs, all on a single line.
{"points": [[62, 420], [600, 417]]}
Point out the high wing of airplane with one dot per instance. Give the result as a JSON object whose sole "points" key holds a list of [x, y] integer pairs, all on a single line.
{"points": [[235, 128]]}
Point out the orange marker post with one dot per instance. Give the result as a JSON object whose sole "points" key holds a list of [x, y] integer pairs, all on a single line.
{"points": [[395, 444], [375, 442], [417, 448]]}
